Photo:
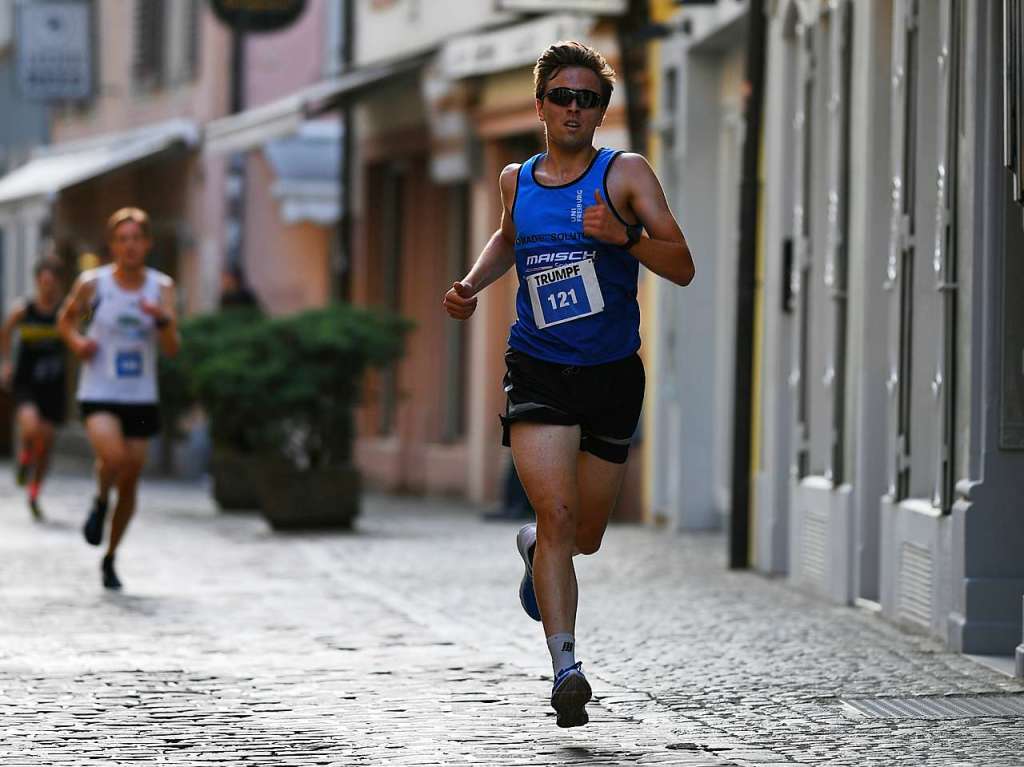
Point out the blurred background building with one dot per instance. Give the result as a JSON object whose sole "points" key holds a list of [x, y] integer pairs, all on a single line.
{"points": [[354, 155]]}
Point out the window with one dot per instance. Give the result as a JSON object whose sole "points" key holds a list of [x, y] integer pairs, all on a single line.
{"points": [[193, 38], [148, 66], [167, 42], [816, 259], [918, 272], [902, 250]]}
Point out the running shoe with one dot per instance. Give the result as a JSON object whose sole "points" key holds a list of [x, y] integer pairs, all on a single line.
{"points": [[526, 540], [33, 501], [24, 466], [93, 529], [569, 696], [110, 579]]}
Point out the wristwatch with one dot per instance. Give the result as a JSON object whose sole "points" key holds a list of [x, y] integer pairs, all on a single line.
{"points": [[633, 234]]}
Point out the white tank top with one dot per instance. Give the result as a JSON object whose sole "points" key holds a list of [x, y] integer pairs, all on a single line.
{"points": [[124, 366]]}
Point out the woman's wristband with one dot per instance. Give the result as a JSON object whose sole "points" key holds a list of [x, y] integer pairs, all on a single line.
{"points": [[162, 322]]}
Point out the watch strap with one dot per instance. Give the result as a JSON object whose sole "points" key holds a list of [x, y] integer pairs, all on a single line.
{"points": [[633, 234]]}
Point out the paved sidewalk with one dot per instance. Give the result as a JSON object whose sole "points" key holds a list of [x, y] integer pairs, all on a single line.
{"points": [[404, 644]]}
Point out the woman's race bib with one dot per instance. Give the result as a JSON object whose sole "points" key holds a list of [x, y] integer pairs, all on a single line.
{"points": [[565, 293], [128, 362]]}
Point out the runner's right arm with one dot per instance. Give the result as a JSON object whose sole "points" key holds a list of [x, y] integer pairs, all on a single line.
{"points": [[71, 314], [6, 333], [497, 257]]}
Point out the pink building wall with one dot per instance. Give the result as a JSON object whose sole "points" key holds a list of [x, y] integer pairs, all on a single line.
{"points": [[287, 265]]}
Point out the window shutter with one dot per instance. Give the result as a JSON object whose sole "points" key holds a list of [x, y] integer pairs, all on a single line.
{"points": [[149, 43], [193, 39]]}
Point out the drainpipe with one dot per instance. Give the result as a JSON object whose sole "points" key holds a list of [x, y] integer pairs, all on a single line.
{"points": [[342, 290], [237, 160], [739, 520]]}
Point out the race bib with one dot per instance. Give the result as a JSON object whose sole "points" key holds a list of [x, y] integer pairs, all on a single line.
{"points": [[129, 363], [565, 293]]}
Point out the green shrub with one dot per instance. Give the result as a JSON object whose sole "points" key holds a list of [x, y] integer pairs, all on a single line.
{"points": [[286, 386], [201, 336]]}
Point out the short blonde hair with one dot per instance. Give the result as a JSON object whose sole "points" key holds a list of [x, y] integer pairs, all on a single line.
{"points": [[570, 53], [136, 215]]}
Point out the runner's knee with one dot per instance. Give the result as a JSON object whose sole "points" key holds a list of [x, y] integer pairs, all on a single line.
{"points": [[556, 523], [112, 461]]}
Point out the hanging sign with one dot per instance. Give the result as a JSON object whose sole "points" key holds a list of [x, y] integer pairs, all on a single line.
{"points": [[54, 54], [258, 15]]}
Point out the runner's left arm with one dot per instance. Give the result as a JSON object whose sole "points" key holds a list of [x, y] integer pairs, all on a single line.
{"points": [[166, 317], [663, 250]]}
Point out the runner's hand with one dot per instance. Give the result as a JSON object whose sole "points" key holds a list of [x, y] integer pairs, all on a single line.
{"points": [[153, 310], [84, 348], [459, 301], [600, 223]]}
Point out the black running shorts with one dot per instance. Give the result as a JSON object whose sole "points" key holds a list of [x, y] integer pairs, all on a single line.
{"points": [[603, 400], [50, 400], [137, 421]]}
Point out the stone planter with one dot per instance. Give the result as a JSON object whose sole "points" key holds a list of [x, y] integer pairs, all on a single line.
{"points": [[235, 479], [294, 499]]}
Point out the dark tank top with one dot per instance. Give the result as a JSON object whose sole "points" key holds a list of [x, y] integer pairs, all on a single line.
{"points": [[41, 356]]}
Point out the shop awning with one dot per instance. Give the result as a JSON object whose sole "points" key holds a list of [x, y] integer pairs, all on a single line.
{"points": [[255, 127], [60, 166], [306, 173]]}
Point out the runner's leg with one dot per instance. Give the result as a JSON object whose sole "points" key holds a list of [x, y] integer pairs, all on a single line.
{"points": [[127, 488], [104, 431], [28, 419], [545, 457], [599, 483], [44, 443]]}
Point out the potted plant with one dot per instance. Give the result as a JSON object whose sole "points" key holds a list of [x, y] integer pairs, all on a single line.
{"points": [[211, 345], [292, 383]]}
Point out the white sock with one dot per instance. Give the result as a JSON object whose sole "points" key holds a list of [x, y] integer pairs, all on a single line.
{"points": [[563, 651]]}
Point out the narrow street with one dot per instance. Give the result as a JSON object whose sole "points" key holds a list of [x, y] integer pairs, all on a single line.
{"points": [[404, 644]]}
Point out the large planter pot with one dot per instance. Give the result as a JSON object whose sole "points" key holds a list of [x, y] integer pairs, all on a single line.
{"points": [[235, 479], [294, 499]]}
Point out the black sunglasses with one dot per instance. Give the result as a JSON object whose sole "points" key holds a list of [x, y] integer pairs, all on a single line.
{"points": [[564, 97]]}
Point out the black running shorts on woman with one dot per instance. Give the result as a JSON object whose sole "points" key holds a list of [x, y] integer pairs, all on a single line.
{"points": [[137, 421], [603, 400]]}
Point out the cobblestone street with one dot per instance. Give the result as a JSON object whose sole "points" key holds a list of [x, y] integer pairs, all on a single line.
{"points": [[404, 644]]}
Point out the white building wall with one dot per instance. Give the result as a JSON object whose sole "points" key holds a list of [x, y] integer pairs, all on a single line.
{"points": [[695, 338]]}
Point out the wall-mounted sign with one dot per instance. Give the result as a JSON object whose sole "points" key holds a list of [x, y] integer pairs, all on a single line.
{"points": [[605, 7], [258, 15], [54, 51], [510, 47]]}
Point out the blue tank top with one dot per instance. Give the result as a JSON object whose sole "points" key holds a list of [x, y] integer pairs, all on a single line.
{"points": [[561, 317]]}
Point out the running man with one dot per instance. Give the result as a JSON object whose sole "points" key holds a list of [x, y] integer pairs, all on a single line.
{"points": [[37, 376], [132, 317], [572, 224]]}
